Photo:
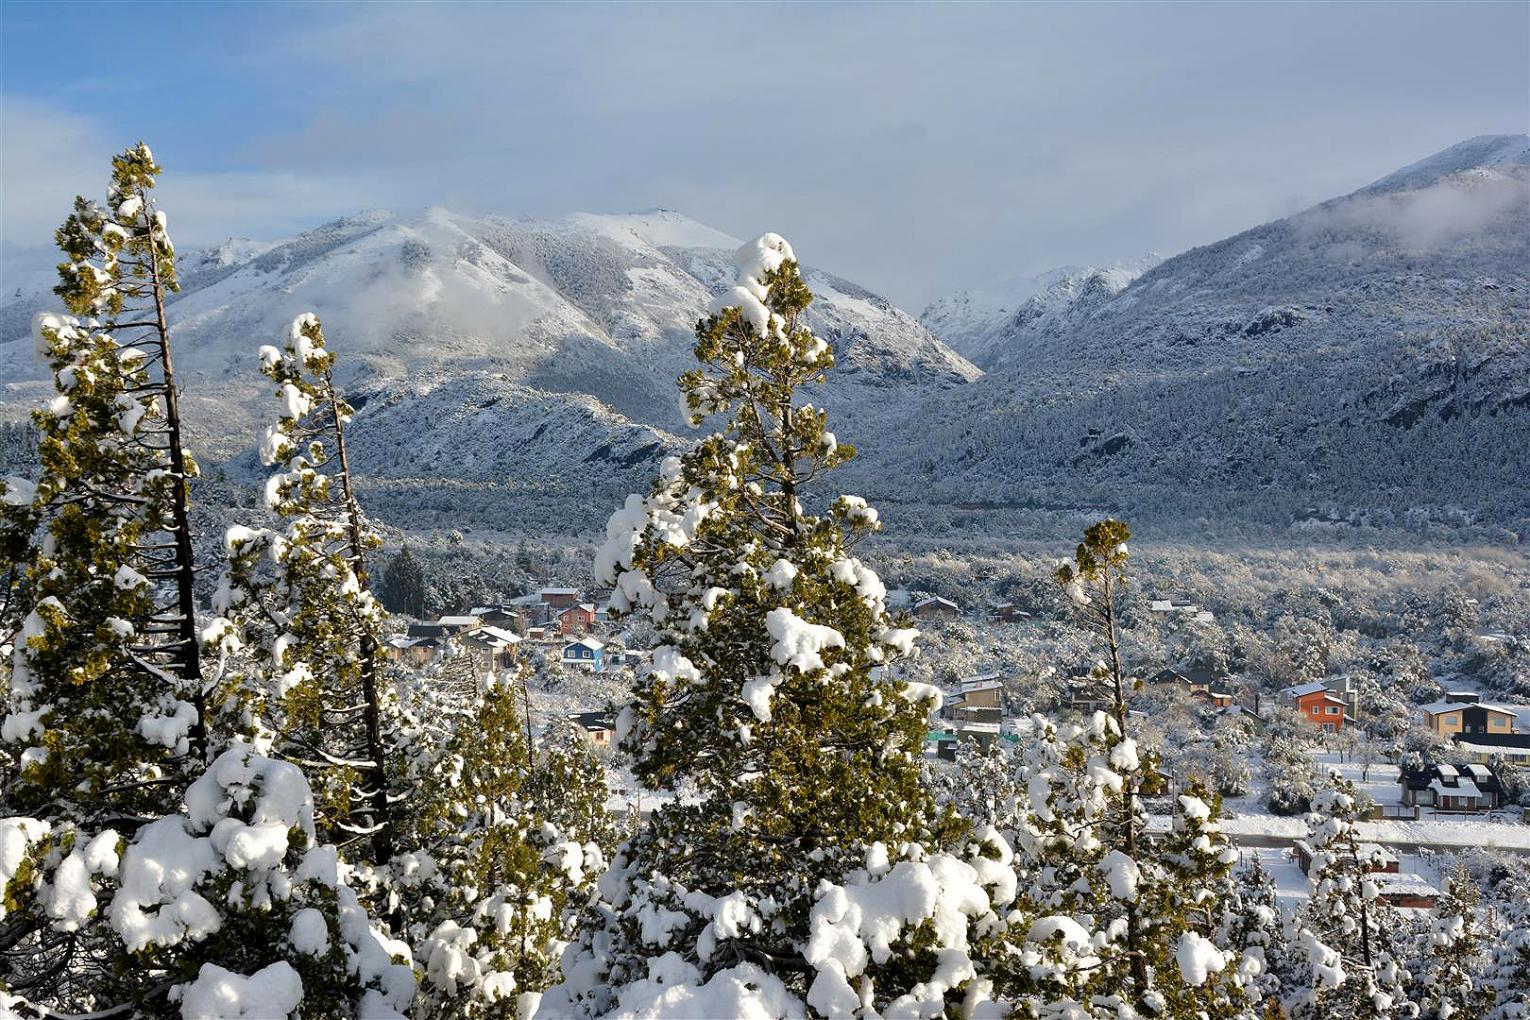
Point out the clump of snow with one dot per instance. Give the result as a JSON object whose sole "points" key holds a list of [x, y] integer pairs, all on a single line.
{"points": [[218, 994], [798, 643]]}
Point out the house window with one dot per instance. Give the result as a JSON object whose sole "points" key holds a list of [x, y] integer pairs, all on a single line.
{"points": [[1451, 720], [1333, 710], [1328, 727]]}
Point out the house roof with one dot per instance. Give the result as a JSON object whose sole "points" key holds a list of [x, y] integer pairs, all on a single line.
{"points": [[424, 630], [1441, 707], [1449, 780], [588, 642], [1493, 741], [557, 591], [459, 621], [1402, 884], [534, 599], [594, 720], [1302, 690], [936, 600]]}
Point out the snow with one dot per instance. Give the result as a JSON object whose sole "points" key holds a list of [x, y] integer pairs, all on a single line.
{"points": [[218, 994], [310, 934], [781, 574], [18, 491], [744, 992], [127, 578], [800, 644], [1198, 958], [1121, 874]]}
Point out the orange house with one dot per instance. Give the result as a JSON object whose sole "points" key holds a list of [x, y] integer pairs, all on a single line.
{"points": [[1317, 704]]}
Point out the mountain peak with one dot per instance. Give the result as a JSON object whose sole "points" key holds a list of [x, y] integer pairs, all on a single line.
{"points": [[1472, 154]]}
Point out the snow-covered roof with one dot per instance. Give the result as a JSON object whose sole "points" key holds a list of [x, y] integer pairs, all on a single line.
{"points": [[499, 634], [458, 621], [592, 644], [1461, 788], [527, 600], [1302, 690], [558, 591], [1403, 884], [935, 600], [1441, 707]]}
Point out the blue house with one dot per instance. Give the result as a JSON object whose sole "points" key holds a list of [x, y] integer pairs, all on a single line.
{"points": [[586, 653]]}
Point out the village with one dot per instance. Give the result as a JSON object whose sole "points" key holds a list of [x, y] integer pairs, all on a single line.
{"points": [[577, 655]]}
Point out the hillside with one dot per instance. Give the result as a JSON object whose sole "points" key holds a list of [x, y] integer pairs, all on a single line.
{"points": [[1365, 360], [529, 355]]}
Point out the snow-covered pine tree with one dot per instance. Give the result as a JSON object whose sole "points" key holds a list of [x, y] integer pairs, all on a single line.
{"points": [[1119, 921], [297, 596], [1357, 968], [1450, 983], [419, 776], [769, 699], [228, 907], [103, 715], [105, 687], [482, 888], [1508, 972], [567, 787]]}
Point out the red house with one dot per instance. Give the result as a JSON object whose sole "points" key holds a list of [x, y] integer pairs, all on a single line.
{"points": [[576, 620]]}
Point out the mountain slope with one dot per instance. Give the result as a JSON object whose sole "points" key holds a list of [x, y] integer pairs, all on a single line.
{"points": [[976, 323], [536, 354], [1370, 356]]}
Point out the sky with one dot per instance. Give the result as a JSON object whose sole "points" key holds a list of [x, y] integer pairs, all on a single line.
{"points": [[912, 149]]}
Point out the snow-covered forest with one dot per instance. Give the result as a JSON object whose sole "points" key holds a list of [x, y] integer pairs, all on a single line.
{"points": [[245, 774]]}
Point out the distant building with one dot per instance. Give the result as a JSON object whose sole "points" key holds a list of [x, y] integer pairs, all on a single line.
{"points": [[936, 608], [1087, 695], [1466, 712], [1314, 703], [559, 598], [455, 625], [1484, 747], [598, 726], [575, 620], [586, 653], [1006, 612], [1469, 787], [975, 708], [412, 651], [495, 647]]}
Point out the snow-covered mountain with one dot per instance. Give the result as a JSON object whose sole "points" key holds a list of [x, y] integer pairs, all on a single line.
{"points": [[1368, 357], [978, 323], [487, 349]]}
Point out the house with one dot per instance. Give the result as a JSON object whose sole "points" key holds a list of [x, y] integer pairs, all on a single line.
{"points": [[1484, 747], [559, 598], [936, 608], [1407, 890], [412, 651], [975, 708], [532, 610], [1466, 712], [1469, 787], [457, 625], [586, 653], [1328, 704], [506, 617], [575, 620], [598, 726], [1087, 695], [1218, 697], [1006, 612], [427, 630], [1195, 679], [496, 647]]}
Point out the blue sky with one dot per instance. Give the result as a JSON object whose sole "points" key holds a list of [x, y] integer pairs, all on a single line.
{"points": [[913, 149]]}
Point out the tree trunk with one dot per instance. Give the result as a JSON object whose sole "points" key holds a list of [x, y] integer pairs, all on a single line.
{"points": [[188, 647]]}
